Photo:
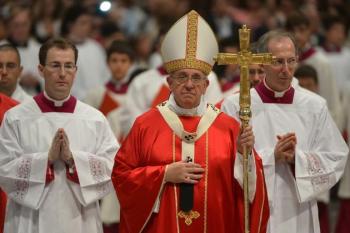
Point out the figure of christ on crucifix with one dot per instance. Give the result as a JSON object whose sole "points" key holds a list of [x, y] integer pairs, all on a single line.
{"points": [[244, 58]]}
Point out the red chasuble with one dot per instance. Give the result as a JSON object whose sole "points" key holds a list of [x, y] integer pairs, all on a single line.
{"points": [[5, 104], [139, 172]]}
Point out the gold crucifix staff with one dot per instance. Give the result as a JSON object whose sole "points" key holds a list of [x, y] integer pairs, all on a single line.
{"points": [[244, 58]]}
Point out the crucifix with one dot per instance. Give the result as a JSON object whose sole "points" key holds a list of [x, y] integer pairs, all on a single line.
{"points": [[244, 58]]}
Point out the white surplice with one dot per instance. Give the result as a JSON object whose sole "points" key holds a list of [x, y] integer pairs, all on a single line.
{"points": [[320, 156], [20, 95], [61, 206]]}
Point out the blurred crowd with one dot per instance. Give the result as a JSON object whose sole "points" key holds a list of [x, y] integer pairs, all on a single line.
{"points": [[320, 27]]}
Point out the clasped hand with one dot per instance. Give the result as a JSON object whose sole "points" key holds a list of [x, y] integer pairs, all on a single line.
{"points": [[60, 148], [183, 172], [285, 148]]}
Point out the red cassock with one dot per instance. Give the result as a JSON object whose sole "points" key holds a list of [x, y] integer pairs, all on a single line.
{"points": [[218, 198], [5, 104]]}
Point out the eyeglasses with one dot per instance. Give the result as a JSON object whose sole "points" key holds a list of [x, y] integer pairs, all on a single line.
{"points": [[182, 78], [9, 66], [57, 67], [280, 62]]}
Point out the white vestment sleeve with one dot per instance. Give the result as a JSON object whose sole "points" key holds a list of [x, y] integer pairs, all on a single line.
{"points": [[22, 175], [238, 174], [320, 168], [94, 170]]}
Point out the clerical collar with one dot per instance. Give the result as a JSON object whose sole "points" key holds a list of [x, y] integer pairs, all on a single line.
{"points": [[47, 104], [120, 86], [329, 48], [197, 111], [307, 53], [17, 43], [56, 103], [267, 95]]}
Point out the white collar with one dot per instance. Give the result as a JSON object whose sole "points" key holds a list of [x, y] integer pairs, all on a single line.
{"points": [[57, 103], [197, 111], [277, 94]]}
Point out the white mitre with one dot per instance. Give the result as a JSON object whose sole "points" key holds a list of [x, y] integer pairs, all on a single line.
{"points": [[189, 44]]}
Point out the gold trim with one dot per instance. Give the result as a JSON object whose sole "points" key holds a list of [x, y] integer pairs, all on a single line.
{"points": [[186, 63], [188, 216], [191, 35], [175, 192], [206, 181]]}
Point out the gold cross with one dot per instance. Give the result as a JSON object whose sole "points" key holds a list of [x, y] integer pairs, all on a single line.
{"points": [[244, 58], [188, 216]]}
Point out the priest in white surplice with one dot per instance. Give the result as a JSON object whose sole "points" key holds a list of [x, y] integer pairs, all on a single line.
{"points": [[56, 154], [10, 57], [302, 150]]}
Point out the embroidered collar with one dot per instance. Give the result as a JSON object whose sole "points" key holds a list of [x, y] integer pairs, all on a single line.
{"points": [[47, 104], [267, 95]]}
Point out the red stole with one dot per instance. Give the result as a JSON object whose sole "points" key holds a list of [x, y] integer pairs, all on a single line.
{"points": [[5, 104]]}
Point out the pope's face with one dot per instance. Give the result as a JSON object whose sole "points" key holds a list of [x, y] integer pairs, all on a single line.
{"points": [[188, 86]]}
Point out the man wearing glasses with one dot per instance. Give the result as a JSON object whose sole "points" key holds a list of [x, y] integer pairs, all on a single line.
{"points": [[302, 150], [56, 153], [179, 169], [11, 70]]}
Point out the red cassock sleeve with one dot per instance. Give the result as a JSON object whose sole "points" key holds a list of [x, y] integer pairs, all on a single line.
{"points": [[137, 185]]}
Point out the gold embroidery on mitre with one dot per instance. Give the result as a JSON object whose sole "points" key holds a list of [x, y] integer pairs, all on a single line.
{"points": [[187, 64], [189, 216], [190, 61]]}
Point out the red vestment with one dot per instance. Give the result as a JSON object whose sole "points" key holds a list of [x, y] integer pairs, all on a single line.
{"points": [[139, 172], [5, 104]]}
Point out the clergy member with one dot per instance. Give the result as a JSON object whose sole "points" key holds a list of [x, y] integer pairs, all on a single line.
{"points": [[5, 104], [302, 150], [180, 167], [11, 72], [56, 153]]}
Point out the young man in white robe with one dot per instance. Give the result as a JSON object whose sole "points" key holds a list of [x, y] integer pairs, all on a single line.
{"points": [[11, 72], [302, 150], [56, 154]]}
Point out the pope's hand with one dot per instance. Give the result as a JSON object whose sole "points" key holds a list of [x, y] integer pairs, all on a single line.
{"points": [[246, 139], [183, 172]]}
